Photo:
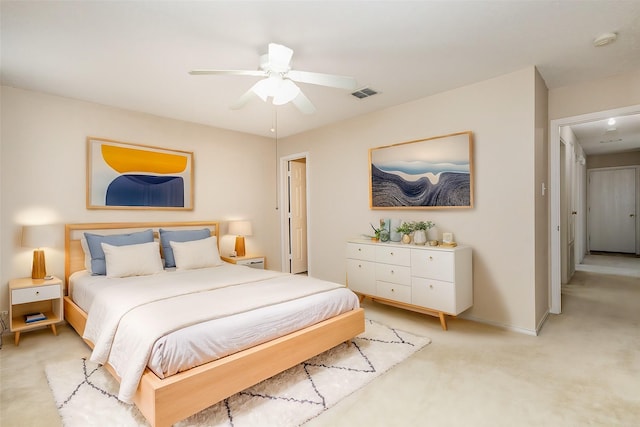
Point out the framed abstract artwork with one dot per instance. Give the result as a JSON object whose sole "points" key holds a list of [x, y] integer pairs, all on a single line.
{"points": [[129, 176], [432, 173]]}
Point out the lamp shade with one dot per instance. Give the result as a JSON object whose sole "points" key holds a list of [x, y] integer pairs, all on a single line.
{"points": [[240, 228], [40, 236]]}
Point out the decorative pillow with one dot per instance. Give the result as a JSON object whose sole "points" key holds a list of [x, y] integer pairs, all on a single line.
{"points": [[94, 241], [167, 236], [196, 253], [87, 254], [132, 260]]}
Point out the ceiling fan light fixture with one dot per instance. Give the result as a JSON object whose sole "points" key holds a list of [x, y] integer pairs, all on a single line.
{"points": [[287, 92], [267, 87]]}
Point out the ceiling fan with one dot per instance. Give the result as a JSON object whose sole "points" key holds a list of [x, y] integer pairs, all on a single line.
{"points": [[278, 83]]}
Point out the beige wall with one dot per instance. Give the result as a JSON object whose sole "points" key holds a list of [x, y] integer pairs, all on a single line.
{"points": [[613, 160], [43, 173], [501, 227], [600, 95]]}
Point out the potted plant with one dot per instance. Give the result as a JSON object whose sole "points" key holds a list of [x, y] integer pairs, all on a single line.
{"points": [[420, 231], [405, 230]]}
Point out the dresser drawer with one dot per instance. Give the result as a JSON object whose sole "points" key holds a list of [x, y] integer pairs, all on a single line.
{"points": [[394, 274], [393, 291], [361, 251], [361, 276], [39, 293], [433, 264], [434, 294], [393, 255]]}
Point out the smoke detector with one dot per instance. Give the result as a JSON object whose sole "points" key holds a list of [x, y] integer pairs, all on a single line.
{"points": [[605, 39]]}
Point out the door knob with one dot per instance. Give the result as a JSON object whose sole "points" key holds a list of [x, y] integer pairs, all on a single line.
{"points": [[632, 215]]}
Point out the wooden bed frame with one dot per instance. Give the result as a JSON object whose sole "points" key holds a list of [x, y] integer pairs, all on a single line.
{"points": [[166, 401]]}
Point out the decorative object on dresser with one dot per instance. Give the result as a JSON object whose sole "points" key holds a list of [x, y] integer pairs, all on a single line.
{"points": [[34, 303], [240, 229], [405, 230], [39, 237], [420, 231], [121, 175], [253, 261], [430, 280], [290, 398], [423, 174]]}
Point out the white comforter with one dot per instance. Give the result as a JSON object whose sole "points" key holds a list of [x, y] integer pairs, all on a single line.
{"points": [[119, 322]]}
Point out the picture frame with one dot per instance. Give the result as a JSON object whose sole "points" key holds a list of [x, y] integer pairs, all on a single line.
{"points": [[431, 173], [122, 175], [447, 237]]}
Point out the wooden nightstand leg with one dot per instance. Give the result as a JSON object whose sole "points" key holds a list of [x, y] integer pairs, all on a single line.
{"points": [[53, 328], [17, 338], [443, 321]]}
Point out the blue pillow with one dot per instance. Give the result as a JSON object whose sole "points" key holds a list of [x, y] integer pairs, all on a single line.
{"points": [[94, 241], [167, 236]]}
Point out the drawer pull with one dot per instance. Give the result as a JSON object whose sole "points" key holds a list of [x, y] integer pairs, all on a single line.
{"points": [[359, 265], [430, 258], [393, 290], [37, 292], [359, 249], [430, 286], [391, 253], [392, 271]]}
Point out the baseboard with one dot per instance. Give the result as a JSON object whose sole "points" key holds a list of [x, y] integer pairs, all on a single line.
{"points": [[502, 325]]}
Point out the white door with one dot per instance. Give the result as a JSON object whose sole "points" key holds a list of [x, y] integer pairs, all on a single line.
{"points": [[612, 210], [298, 215]]}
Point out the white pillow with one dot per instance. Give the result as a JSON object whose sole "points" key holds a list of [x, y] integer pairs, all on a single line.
{"points": [[132, 260], [196, 253]]}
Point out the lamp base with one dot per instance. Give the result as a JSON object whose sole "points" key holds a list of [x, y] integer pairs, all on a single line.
{"points": [[39, 269], [240, 246]]}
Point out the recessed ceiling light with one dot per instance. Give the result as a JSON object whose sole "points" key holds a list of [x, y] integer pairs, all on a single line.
{"points": [[611, 122], [605, 39]]}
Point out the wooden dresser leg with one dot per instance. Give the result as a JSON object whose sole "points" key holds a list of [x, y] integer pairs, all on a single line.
{"points": [[53, 328], [443, 321], [17, 338]]}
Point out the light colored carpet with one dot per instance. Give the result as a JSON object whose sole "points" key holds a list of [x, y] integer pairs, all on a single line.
{"points": [[85, 393]]}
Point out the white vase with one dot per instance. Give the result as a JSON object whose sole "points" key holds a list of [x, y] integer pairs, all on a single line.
{"points": [[420, 237]]}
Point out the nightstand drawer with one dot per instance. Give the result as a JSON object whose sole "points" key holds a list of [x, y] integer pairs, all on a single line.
{"points": [[39, 293]]}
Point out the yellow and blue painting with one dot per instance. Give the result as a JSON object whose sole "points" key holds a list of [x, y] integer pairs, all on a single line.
{"points": [[429, 173], [123, 175]]}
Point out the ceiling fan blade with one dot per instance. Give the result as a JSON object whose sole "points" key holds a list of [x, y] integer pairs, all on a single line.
{"points": [[341, 82], [304, 105], [258, 73], [243, 100], [279, 57]]}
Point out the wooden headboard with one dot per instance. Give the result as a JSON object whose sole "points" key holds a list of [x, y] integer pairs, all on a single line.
{"points": [[74, 255]]}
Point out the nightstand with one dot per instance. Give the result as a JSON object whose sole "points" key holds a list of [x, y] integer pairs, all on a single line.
{"points": [[253, 261], [28, 296]]}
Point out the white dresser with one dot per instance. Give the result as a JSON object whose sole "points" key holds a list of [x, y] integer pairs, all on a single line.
{"points": [[432, 280]]}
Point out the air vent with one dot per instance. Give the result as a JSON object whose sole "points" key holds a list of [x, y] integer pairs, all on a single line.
{"points": [[364, 93]]}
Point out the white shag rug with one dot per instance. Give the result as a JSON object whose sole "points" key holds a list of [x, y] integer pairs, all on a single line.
{"points": [[85, 393]]}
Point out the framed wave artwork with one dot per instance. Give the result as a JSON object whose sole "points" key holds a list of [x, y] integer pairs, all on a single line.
{"points": [[432, 173], [129, 176]]}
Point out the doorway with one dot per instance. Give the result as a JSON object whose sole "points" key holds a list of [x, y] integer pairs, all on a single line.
{"points": [[294, 213], [556, 227]]}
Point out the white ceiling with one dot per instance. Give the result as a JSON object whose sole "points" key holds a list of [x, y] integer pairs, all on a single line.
{"points": [[137, 54]]}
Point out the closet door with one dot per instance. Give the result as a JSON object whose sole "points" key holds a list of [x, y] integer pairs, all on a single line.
{"points": [[612, 210]]}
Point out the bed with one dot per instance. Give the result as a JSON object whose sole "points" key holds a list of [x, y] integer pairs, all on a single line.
{"points": [[165, 397]]}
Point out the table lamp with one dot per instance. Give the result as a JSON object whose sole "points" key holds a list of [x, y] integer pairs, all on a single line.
{"points": [[39, 236], [240, 229]]}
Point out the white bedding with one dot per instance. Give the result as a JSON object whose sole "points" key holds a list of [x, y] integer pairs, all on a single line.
{"points": [[226, 309]]}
